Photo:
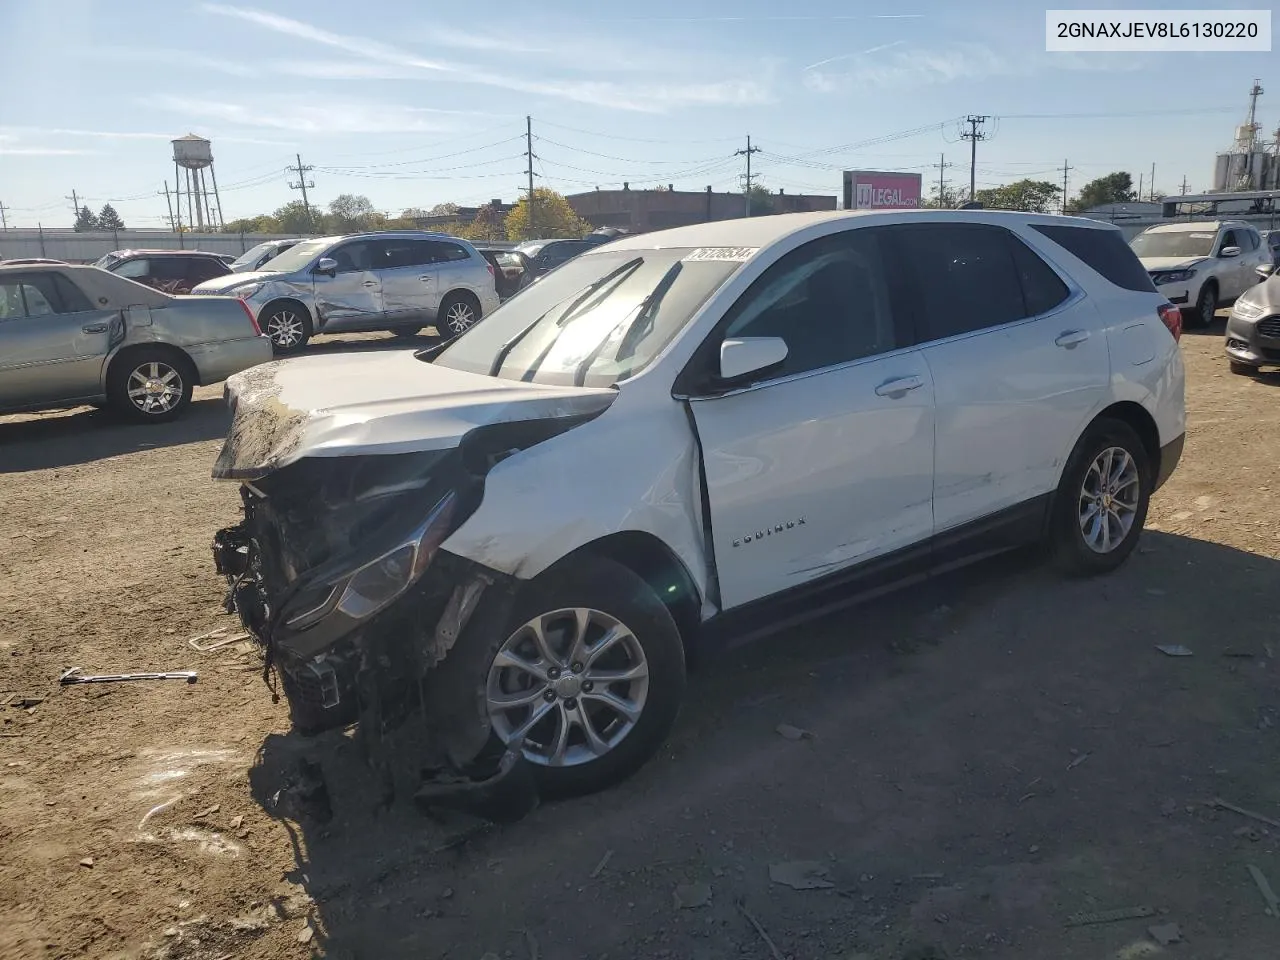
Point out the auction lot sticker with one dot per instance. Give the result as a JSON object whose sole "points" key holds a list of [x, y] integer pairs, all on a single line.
{"points": [[1157, 31], [723, 254]]}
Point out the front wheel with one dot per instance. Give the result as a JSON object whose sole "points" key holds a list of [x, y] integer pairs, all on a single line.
{"points": [[586, 677], [458, 313], [1101, 503], [286, 325]]}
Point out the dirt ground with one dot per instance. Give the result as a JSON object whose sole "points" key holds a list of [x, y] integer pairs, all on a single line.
{"points": [[990, 756]]}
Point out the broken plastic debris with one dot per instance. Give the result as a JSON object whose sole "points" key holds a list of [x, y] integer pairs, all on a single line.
{"points": [[689, 896], [1110, 916], [788, 732], [1173, 649], [1269, 895], [800, 875], [1165, 934]]}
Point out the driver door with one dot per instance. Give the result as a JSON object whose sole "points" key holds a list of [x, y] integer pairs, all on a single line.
{"points": [[824, 462], [352, 298]]}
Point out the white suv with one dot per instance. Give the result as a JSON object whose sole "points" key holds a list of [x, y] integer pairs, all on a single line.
{"points": [[1200, 266], [681, 437]]}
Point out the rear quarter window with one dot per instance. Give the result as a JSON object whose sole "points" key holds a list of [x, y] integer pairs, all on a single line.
{"points": [[1105, 252]]}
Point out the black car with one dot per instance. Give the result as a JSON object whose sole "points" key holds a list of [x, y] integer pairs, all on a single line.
{"points": [[171, 271], [512, 270], [546, 255]]}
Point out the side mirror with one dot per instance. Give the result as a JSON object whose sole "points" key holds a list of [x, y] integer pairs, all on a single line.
{"points": [[328, 266], [1229, 252], [1265, 271], [744, 355]]}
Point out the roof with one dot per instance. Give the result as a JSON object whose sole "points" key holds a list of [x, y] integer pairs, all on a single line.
{"points": [[103, 287], [1224, 197], [762, 231], [162, 250], [1185, 225]]}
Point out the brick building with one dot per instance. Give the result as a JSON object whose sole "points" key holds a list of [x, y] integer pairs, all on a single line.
{"points": [[638, 211]]}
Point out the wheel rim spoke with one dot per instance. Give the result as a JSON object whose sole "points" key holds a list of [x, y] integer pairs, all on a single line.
{"points": [[594, 742], [535, 717], [1109, 499], [605, 677], [506, 658], [560, 744], [612, 636], [615, 703]]}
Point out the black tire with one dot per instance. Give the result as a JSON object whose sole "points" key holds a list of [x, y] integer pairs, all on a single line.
{"points": [[151, 384], [1069, 548], [454, 309], [1243, 369], [1206, 304], [406, 331], [287, 324], [606, 586]]}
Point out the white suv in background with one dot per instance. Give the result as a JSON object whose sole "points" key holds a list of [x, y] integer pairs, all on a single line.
{"points": [[400, 281], [1201, 266], [680, 437]]}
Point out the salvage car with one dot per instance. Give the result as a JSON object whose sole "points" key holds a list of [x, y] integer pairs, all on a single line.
{"points": [[72, 335], [523, 537], [169, 271], [1253, 326], [1200, 266], [512, 270], [395, 280], [257, 257]]}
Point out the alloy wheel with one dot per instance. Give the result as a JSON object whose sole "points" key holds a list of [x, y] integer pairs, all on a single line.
{"points": [[155, 387], [1208, 305], [285, 329], [568, 685], [459, 316], [1109, 499]]}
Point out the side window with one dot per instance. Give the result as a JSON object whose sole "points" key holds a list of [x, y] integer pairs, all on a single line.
{"points": [[169, 268], [1250, 240], [134, 269], [828, 300], [450, 252], [1042, 289], [38, 304], [73, 299], [404, 253], [200, 270], [1105, 252], [354, 257], [33, 296], [1229, 240], [11, 304], [967, 277]]}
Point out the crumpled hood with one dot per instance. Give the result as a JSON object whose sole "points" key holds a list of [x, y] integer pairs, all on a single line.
{"points": [[233, 280], [374, 403], [1170, 263]]}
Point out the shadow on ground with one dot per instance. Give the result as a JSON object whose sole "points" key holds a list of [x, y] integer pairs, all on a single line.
{"points": [[60, 440], [990, 754]]}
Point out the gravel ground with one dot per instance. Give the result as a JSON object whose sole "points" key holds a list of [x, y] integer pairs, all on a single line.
{"points": [[990, 756]]}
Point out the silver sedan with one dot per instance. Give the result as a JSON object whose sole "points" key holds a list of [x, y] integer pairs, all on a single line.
{"points": [[72, 335]]}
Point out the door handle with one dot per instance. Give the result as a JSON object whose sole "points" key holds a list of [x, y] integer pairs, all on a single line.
{"points": [[425, 279], [95, 328], [899, 387], [1072, 338], [370, 283]]}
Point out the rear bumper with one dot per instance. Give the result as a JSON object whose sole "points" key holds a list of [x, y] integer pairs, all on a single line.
{"points": [[217, 361], [1170, 454]]}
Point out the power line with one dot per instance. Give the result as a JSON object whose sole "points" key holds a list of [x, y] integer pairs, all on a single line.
{"points": [[746, 190], [973, 136], [302, 184]]}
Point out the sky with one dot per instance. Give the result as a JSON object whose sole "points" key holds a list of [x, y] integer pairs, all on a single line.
{"points": [[416, 102]]}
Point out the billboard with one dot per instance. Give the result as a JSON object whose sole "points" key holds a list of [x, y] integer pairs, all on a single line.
{"points": [[881, 190]]}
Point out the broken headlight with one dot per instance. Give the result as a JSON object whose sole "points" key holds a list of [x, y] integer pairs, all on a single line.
{"points": [[370, 588]]}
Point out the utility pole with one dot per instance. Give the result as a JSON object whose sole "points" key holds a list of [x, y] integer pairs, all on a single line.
{"points": [[75, 203], [302, 185], [172, 225], [1153, 183], [1065, 170], [942, 183], [1140, 182], [1184, 184], [746, 190], [973, 136], [4, 224], [528, 155]]}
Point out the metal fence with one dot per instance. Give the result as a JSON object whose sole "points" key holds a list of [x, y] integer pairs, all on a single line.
{"points": [[87, 247]]}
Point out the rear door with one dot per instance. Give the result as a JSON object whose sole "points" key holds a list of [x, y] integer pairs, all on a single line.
{"points": [[825, 462], [410, 279], [52, 341], [1018, 362], [352, 298]]}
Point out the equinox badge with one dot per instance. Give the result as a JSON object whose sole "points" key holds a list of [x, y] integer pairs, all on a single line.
{"points": [[776, 528]]}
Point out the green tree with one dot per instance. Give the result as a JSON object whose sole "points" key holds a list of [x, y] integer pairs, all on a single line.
{"points": [[108, 219], [552, 219], [263, 223], [1113, 188], [294, 217], [86, 222], [443, 210], [1033, 196], [489, 224], [948, 199], [761, 201], [350, 212]]}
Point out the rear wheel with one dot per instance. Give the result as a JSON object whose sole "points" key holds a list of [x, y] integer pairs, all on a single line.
{"points": [[1101, 503], [151, 385], [287, 324], [406, 331], [458, 313]]}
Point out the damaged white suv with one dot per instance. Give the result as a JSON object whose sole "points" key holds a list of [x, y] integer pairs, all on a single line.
{"points": [[517, 541]]}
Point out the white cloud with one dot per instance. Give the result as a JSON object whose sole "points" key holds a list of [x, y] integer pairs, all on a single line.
{"points": [[466, 40], [860, 53], [170, 57], [43, 152], [331, 116], [128, 135], [648, 98]]}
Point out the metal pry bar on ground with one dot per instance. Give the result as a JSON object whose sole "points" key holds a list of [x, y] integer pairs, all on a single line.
{"points": [[217, 639], [74, 675]]}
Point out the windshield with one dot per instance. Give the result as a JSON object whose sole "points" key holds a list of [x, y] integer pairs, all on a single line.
{"points": [[1180, 243], [107, 260], [252, 254], [298, 257], [598, 319]]}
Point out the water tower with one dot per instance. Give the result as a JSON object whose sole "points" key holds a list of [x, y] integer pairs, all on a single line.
{"points": [[192, 156]]}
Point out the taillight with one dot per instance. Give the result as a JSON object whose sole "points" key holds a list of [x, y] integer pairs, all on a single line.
{"points": [[1171, 317], [257, 330], [490, 266]]}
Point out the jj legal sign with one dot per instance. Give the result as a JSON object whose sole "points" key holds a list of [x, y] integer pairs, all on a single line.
{"points": [[880, 190]]}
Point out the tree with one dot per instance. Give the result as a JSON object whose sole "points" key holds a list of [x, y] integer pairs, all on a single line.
{"points": [[294, 217], [553, 218], [108, 219], [443, 210], [761, 201], [86, 222], [1113, 188], [264, 223], [350, 212], [948, 199], [1033, 196], [489, 224]]}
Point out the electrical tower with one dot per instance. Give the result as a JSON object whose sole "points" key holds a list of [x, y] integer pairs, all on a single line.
{"points": [[973, 135], [942, 182], [1065, 170], [746, 190], [302, 185]]}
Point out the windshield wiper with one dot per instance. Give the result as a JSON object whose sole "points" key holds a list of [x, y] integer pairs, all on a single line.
{"points": [[578, 299], [644, 311]]}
